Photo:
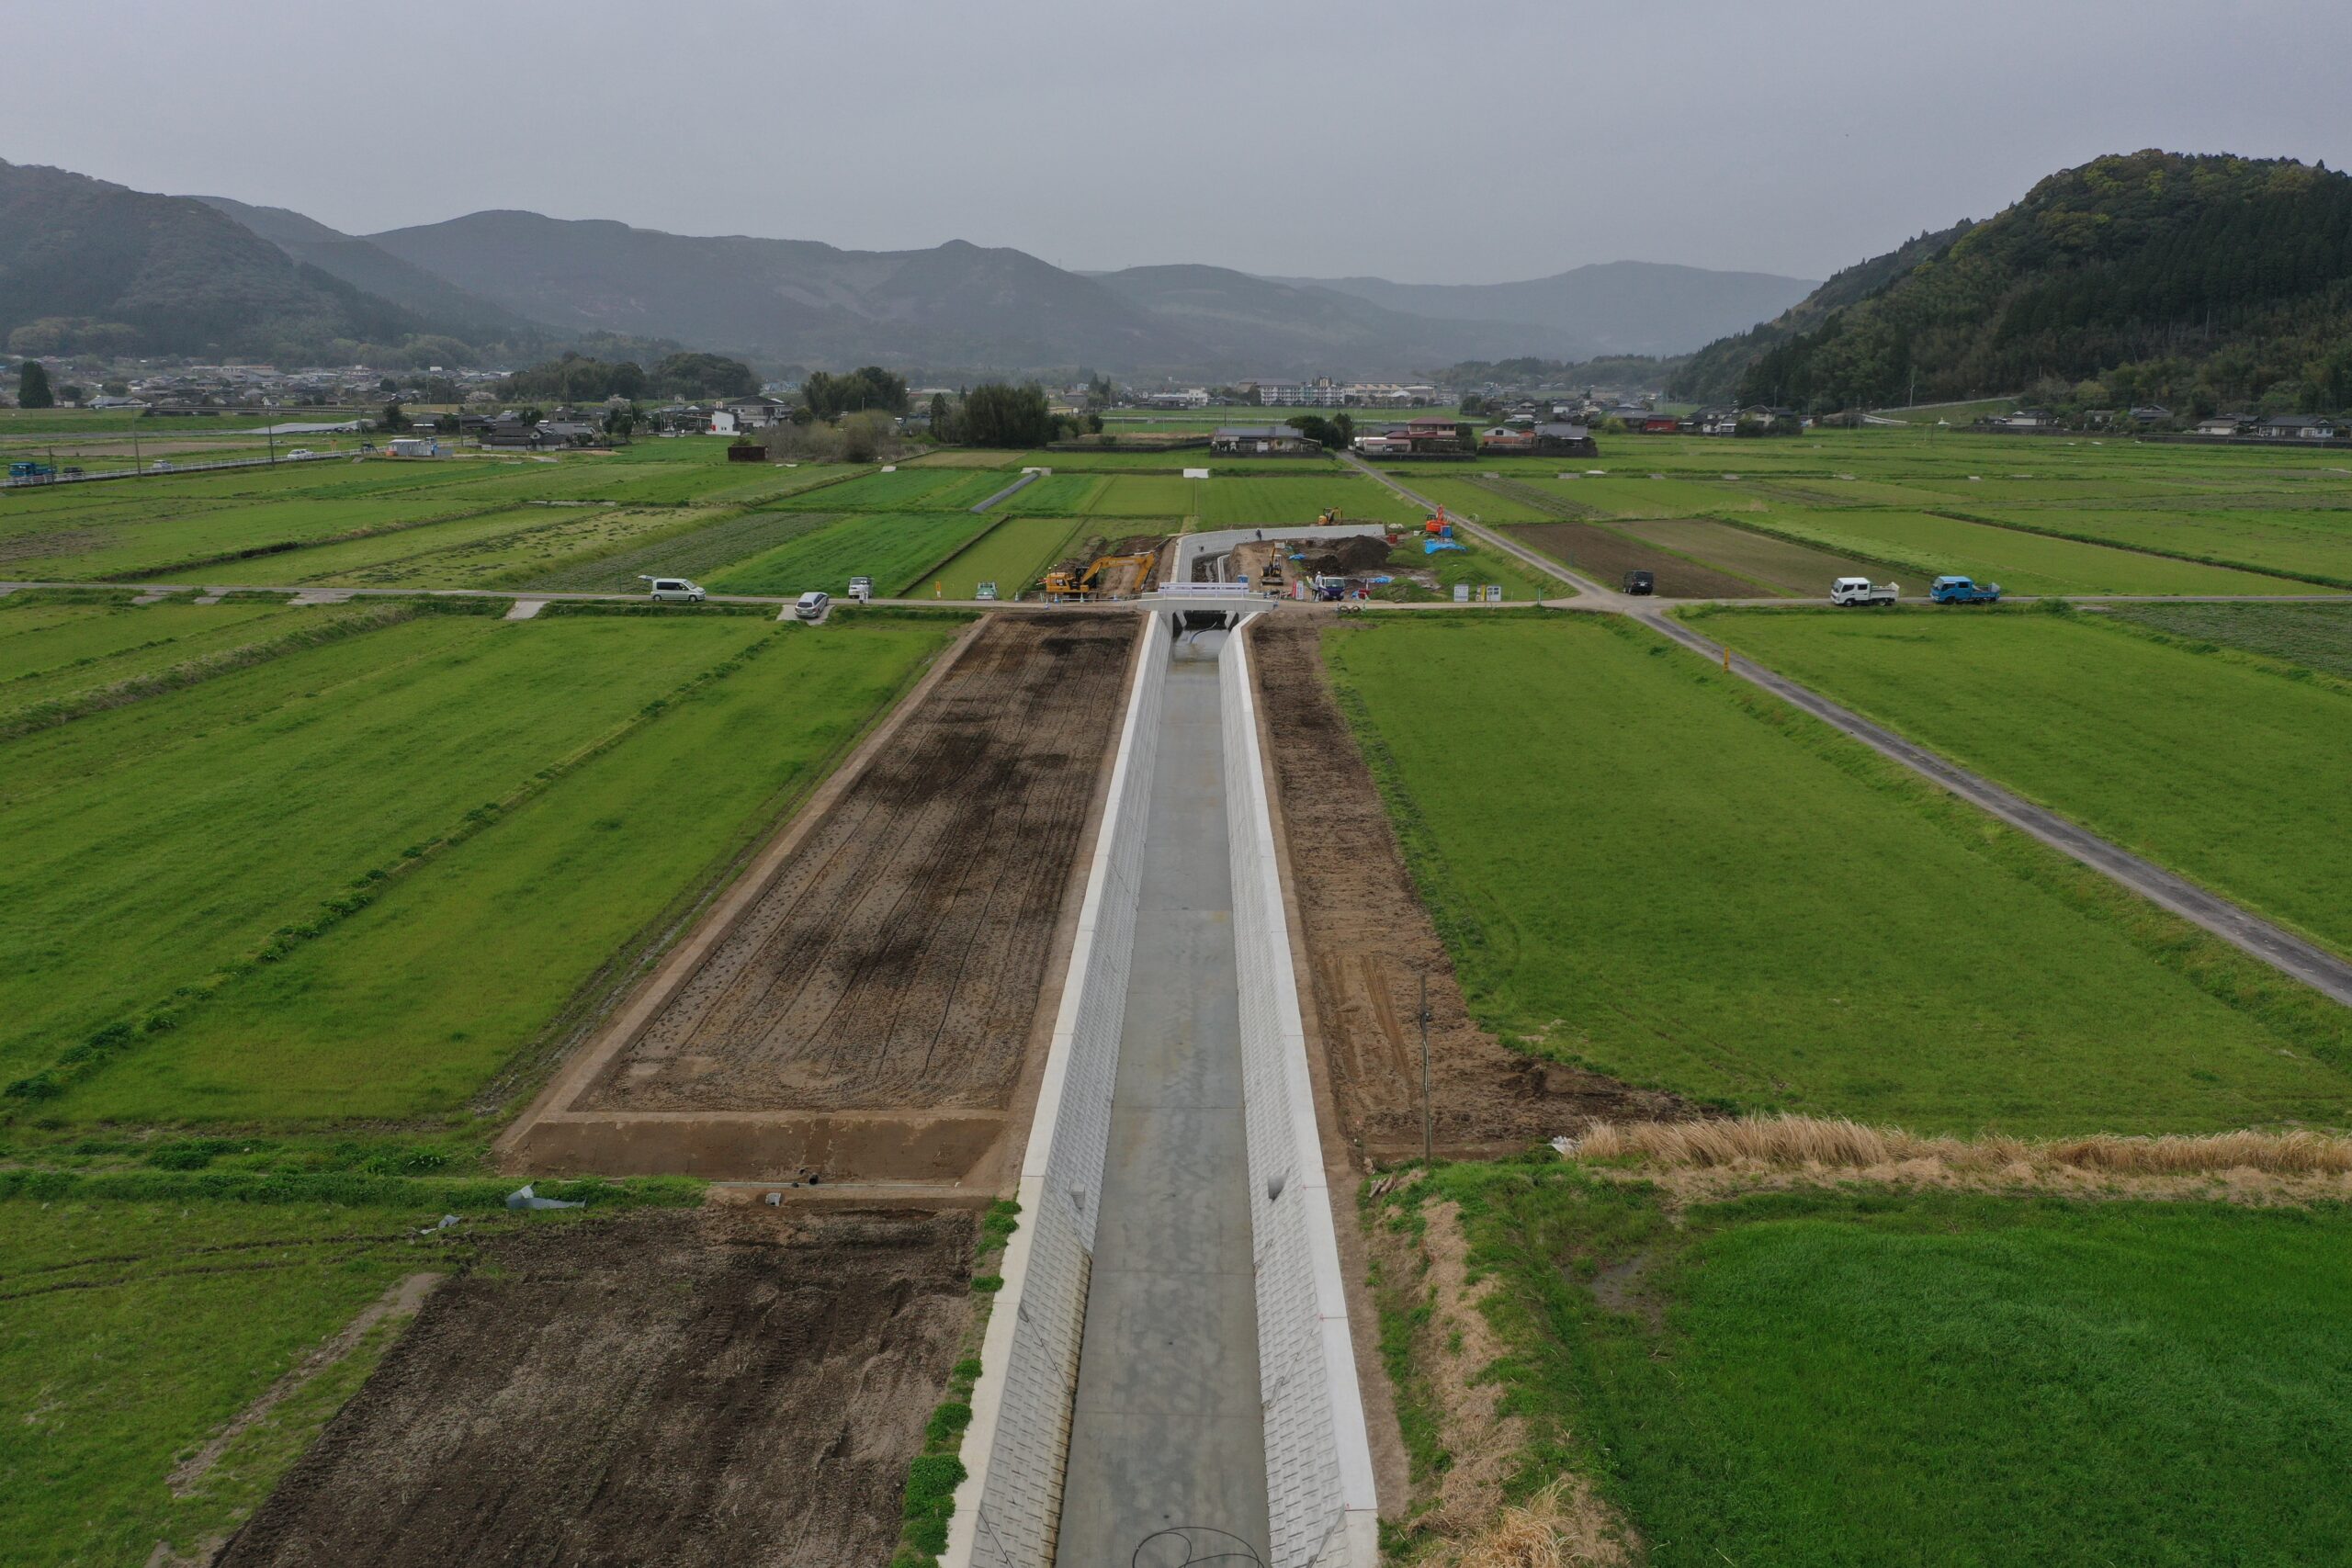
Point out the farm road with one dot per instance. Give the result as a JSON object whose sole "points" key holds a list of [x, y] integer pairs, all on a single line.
{"points": [[2288, 954]]}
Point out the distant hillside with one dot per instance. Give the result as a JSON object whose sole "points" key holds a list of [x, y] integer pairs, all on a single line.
{"points": [[370, 268], [1713, 374], [2189, 280], [957, 304], [88, 265], [1646, 307], [1235, 320]]}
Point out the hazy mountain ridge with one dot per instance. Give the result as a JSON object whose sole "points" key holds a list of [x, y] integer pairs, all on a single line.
{"points": [[1647, 308], [88, 265], [367, 266]]}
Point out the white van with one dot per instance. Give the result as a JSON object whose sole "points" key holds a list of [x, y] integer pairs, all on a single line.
{"points": [[674, 591], [813, 604]]}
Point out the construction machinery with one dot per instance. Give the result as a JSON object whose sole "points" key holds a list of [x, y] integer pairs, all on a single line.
{"points": [[1106, 577]]}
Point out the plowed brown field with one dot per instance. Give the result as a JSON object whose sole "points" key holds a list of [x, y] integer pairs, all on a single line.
{"points": [[896, 960], [720, 1388], [1606, 557], [1369, 941]]}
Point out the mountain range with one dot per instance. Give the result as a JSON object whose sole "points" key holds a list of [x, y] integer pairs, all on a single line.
{"points": [[88, 264]]}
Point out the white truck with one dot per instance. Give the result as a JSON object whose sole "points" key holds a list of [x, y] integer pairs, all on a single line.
{"points": [[1862, 591]]}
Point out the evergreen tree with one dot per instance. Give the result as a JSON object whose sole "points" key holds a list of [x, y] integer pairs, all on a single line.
{"points": [[32, 387]]}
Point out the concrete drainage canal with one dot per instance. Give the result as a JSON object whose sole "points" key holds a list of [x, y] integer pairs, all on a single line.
{"points": [[1168, 1373]]}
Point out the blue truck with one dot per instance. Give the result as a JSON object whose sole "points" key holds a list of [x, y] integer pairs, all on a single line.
{"points": [[1964, 590]]}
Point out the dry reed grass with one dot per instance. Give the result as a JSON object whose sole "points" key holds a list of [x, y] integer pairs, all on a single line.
{"points": [[1564, 1526], [1778, 1142]]}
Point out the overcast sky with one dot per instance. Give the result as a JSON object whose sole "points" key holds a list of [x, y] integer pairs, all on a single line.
{"points": [[1426, 143]]}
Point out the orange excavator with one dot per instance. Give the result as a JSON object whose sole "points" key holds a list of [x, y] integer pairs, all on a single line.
{"points": [[1107, 577]]}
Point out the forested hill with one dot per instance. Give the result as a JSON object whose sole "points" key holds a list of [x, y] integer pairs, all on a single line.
{"points": [[1712, 374], [89, 267], [2195, 281]]}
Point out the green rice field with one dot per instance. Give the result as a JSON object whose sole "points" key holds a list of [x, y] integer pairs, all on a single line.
{"points": [[901, 552], [1603, 826], [334, 884], [1012, 555], [1892, 1376], [2214, 766]]}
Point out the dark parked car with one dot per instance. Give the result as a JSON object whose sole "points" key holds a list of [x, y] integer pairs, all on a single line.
{"points": [[1643, 582]]}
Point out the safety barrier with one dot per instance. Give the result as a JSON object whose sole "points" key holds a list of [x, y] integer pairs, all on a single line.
{"points": [[1016, 1451], [1319, 1491]]}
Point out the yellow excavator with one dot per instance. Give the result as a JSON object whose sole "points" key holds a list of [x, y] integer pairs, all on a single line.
{"points": [[1107, 577]]}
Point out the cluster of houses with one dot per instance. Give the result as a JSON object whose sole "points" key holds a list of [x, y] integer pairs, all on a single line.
{"points": [[1428, 438], [2155, 416], [1323, 392]]}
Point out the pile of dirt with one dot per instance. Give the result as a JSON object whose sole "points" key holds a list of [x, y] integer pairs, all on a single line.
{"points": [[896, 959], [1354, 555], [718, 1387], [1370, 942]]}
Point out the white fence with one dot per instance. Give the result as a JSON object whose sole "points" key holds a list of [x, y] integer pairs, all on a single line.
{"points": [[1319, 1492], [1017, 1448]]}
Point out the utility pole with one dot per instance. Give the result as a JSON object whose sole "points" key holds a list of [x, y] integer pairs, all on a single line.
{"points": [[1427, 1131]]}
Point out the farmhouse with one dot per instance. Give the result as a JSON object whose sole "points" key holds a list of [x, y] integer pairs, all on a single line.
{"points": [[756, 413], [1503, 439], [2295, 427], [1558, 438], [1263, 441], [2224, 424]]}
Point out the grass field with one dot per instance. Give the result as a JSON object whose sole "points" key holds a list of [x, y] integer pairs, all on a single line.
{"points": [[2310, 543], [695, 548], [1646, 866], [2317, 636], [52, 653], [1012, 555], [938, 490], [316, 905], [1295, 501], [1141, 495], [1924, 1378], [2020, 562], [902, 554], [2207, 763], [132, 1333]]}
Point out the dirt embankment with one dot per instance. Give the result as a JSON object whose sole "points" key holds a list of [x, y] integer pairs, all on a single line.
{"points": [[1369, 941], [896, 961], [721, 1387]]}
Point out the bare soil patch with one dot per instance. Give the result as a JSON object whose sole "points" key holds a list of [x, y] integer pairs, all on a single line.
{"points": [[1606, 556], [896, 959], [1802, 569], [722, 1387], [1369, 941]]}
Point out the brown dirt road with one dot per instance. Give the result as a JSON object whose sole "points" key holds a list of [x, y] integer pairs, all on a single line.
{"points": [[719, 1387], [1369, 940]]}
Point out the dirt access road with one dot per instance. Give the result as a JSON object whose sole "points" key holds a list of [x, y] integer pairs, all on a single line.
{"points": [[866, 1005], [718, 1387], [1369, 940]]}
